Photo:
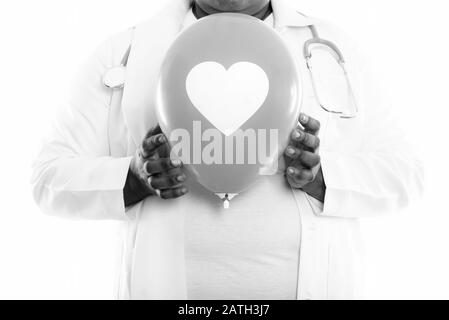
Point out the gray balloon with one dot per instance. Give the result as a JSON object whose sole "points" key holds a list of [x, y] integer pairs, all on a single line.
{"points": [[225, 162]]}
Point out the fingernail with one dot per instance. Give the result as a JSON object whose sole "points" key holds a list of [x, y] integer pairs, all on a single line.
{"points": [[176, 163], [181, 178], [291, 171], [296, 135], [184, 190], [290, 151], [304, 119]]}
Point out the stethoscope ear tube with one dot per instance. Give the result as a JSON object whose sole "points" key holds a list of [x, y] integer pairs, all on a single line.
{"points": [[316, 40], [338, 55]]}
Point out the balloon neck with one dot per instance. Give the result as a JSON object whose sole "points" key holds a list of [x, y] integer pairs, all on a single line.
{"points": [[226, 198]]}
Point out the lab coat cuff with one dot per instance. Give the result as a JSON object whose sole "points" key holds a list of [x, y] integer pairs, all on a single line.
{"points": [[334, 175]]}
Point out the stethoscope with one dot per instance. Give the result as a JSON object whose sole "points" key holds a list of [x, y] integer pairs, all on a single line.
{"points": [[115, 77]]}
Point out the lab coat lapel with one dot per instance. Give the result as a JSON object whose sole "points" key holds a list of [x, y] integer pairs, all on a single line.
{"points": [[159, 275], [150, 43]]}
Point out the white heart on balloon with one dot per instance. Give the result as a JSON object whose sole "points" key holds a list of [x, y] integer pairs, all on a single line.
{"points": [[227, 98]]}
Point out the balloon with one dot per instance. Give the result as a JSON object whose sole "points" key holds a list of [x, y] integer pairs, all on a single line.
{"points": [[228, 97]]}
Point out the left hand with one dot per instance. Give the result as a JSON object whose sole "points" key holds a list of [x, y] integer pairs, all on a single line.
{"points": [[302, 158]]}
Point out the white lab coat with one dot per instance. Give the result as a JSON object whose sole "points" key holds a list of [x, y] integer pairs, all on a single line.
{"points": [[82, 168]]}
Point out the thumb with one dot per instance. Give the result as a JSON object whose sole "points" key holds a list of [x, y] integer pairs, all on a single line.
{"points": [[153, 131]]}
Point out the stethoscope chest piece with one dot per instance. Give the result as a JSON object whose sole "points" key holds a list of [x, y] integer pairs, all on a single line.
{"points": [[115, 77]]}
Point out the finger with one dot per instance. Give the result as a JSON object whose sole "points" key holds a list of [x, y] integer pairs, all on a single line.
{"points": [[308, 159], [292, 152], [173, 193], [151, 144], [306, 139], [299, 176], [152, 167], [310, 124], [304, 157], [164, 150], [168, 181]]}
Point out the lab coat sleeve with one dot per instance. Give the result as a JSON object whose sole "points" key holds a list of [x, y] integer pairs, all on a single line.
{"points": [[383, 175], [74, 174]]}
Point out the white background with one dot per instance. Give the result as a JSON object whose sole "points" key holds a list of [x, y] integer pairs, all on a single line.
{"points": [[43, 43]]}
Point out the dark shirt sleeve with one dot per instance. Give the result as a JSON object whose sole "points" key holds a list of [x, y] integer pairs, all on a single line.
{"points": [[135, 190]]}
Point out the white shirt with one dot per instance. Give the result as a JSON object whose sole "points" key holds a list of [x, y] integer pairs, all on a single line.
{"points": [[244, 254]]}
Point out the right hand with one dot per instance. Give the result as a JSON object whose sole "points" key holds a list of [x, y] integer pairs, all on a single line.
{"points": [[162, 176]]}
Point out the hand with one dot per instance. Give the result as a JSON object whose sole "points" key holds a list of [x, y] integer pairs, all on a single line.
{"points": [[152, 165], [302, 159]]}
